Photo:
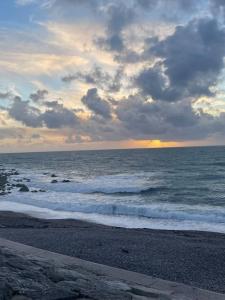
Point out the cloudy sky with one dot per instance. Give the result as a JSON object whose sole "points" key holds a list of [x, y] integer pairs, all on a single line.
{"points": [[91, 74]]}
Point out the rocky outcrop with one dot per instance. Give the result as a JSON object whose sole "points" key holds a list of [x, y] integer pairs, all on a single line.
{"points": [[23, 188], [23, 278], [53, 175], [28, 273]]}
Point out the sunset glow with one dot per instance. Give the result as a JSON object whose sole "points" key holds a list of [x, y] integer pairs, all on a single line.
{"points": [[107, 74]]}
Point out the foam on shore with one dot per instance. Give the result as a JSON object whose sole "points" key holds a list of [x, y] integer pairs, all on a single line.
{"points": [[112, 220]]}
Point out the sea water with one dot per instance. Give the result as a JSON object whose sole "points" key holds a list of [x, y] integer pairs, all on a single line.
{"points": [[174, 188]]}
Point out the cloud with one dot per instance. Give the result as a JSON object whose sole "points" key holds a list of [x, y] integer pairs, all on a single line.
{"points": [[11, 133], [119, 16], [96, 104], [57, 116], [38, 95], [185, 5], [192, 58], [172, 52], [35, 136], [25, 113], [133, 118], [98, 78], [167, 121], [218, 7]]}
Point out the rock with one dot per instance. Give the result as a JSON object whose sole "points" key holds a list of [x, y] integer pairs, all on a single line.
{"points": [[124, 250], [18, 185], [54, 181], [66, 180], [26, 277], [26, 179], [61, 274], [36, 191], [18, 180], [53, 175], [24, 188]]}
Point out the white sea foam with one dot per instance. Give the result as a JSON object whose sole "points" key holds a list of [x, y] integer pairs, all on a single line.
{"points": [[118, 221], [109, 184], [165, 212]]}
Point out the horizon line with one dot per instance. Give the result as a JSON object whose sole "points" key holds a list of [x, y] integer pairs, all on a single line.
{"points": [[114, 149]]}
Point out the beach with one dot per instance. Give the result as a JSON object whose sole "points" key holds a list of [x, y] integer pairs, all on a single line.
{"points": [[193, 258]]}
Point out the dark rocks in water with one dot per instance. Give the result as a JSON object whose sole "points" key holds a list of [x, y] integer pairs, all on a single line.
{"points": [[23, 188], [3, 182], [19, 185], [124, 250], [53, 175], [18, 180], [54, 181], [66, 180], [13, 172], [6, 186], [40, 191], [26, 179]]}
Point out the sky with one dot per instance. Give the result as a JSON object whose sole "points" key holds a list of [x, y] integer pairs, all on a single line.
{"points": [[105, 74]]}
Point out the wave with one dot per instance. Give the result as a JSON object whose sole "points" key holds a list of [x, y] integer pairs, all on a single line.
{"points": [[163, 211], [119, 184], [130, 191]]}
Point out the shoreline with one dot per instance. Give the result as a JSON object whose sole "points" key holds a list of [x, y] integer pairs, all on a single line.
{"points": [[192, 257]]}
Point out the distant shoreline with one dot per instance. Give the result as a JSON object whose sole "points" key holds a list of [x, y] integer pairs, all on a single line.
{"points": [[190, 257]]}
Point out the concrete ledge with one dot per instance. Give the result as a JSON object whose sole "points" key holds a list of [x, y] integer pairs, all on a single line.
{"points": [[146, 287]]}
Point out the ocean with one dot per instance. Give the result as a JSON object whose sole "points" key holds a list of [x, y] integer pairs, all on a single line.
{"points": [[173, 188]]}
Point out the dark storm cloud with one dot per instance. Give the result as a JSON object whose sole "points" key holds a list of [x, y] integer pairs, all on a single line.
{"points": [[51, 104], [119, 16], [59, 117], [166, 120], [192, 58], [56, 117], [38, 95], [25, 113], [96, 104], [99, 78], [134, 118]]}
